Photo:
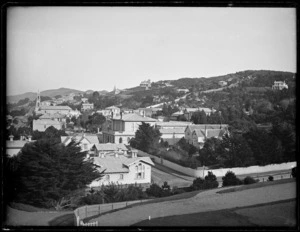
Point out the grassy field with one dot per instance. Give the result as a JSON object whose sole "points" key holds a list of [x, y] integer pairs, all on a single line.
{"points": [[281, 213]]}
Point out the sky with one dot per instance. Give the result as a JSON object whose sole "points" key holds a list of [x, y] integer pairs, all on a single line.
{"points": [[97, 48]]}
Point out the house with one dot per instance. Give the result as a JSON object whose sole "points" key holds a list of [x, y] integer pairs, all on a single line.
{"points": [[188, 112], [199, 136], [148, 112], [87, 106], [46, 103], [123, 128], [73, 113], [84, 100], [222, 83], [86, 141], [172, 131], [43, 124], [175, 115], [110, 111], [279, 85], [123, 169], [101, 148], [13, 147], [191, 128], [146, 84]]}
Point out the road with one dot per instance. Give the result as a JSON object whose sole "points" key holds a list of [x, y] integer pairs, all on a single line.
{"points": [[203, 202], [162, 173]]}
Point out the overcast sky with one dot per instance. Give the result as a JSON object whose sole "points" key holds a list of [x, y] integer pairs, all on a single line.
{"points": [[100, 47]]}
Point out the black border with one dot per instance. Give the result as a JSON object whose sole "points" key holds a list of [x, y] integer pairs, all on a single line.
{"points": [[6, 4]]}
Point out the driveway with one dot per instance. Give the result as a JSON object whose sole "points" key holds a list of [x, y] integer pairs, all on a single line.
{"points": [[203, 202]]}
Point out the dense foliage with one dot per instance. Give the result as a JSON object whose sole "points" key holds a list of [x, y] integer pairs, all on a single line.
{"points": [[146, 138], [209, 182], [47, 172]]}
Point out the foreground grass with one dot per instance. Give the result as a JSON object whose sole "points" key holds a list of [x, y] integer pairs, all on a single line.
{"points": [[256, 185], [233, 217]]}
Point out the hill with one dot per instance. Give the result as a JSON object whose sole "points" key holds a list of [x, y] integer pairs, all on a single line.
{"points": [[49, 93]]}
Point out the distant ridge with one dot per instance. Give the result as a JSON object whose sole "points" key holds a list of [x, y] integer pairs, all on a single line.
{"points": [[49, 93]]}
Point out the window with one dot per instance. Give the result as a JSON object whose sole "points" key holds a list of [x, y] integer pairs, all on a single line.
{"points": [[120, 140], [140, 171], [121, 176]]}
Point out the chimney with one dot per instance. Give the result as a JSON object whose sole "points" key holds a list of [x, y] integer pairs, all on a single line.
{"points": [[121, 113], [98, 130], [29, 138], [11, 138]]}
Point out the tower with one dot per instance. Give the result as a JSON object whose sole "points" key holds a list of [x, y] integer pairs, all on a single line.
{"points": [[38, 102]]}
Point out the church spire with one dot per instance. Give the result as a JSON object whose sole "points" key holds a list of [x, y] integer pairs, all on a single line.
{"points": [[38, 101]]}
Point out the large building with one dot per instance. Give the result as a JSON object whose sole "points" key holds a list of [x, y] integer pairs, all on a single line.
{"points": [[146, 84], [123, 128], [44, 109]]}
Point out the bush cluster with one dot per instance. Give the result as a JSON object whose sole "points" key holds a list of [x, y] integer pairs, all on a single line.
{"points": [[209, 182]]}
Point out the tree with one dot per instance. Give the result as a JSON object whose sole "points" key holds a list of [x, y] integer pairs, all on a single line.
{"points": [[230, 179], [211, 152], [146, 138], [57, 96], [199, 117], [49, 172]]}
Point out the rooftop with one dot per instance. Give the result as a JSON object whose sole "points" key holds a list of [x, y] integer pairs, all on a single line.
{"points": [[110, 147], [93, 139], [134, 118], [55, 108], [120, 164]]}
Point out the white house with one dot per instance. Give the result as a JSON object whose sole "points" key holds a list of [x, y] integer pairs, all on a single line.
{"points": [[101, 148], [123, 169], [87, 106], [280, 85], [146, 84]]}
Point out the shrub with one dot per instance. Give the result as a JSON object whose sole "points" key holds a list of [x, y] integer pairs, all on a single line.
{"points": [[230, 179], [209, 182], [154, 190], [249, 180], [270, 178]]}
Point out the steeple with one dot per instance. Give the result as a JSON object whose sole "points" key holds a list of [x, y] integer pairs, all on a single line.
{"points": [[38, 101]]}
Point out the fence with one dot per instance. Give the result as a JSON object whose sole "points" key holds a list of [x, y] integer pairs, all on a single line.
{"points": [[93, 210]]}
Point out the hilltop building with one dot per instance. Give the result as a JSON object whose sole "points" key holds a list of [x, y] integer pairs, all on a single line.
{"points": [[279, 85], [146, 84], [222, 83]]}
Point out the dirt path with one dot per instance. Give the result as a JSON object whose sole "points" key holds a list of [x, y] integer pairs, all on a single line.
{"points": [[203, 202]]}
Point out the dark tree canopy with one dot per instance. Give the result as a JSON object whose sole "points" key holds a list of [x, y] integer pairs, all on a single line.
{"points": [[48, 171], [146, 138]]}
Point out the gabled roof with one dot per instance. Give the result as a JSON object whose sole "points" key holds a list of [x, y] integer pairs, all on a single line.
{"points": [[15, 143], [120, 164], [110, 147], [92, 139], [172, 130], [55, 108], [199, 132], [135, 118]]}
